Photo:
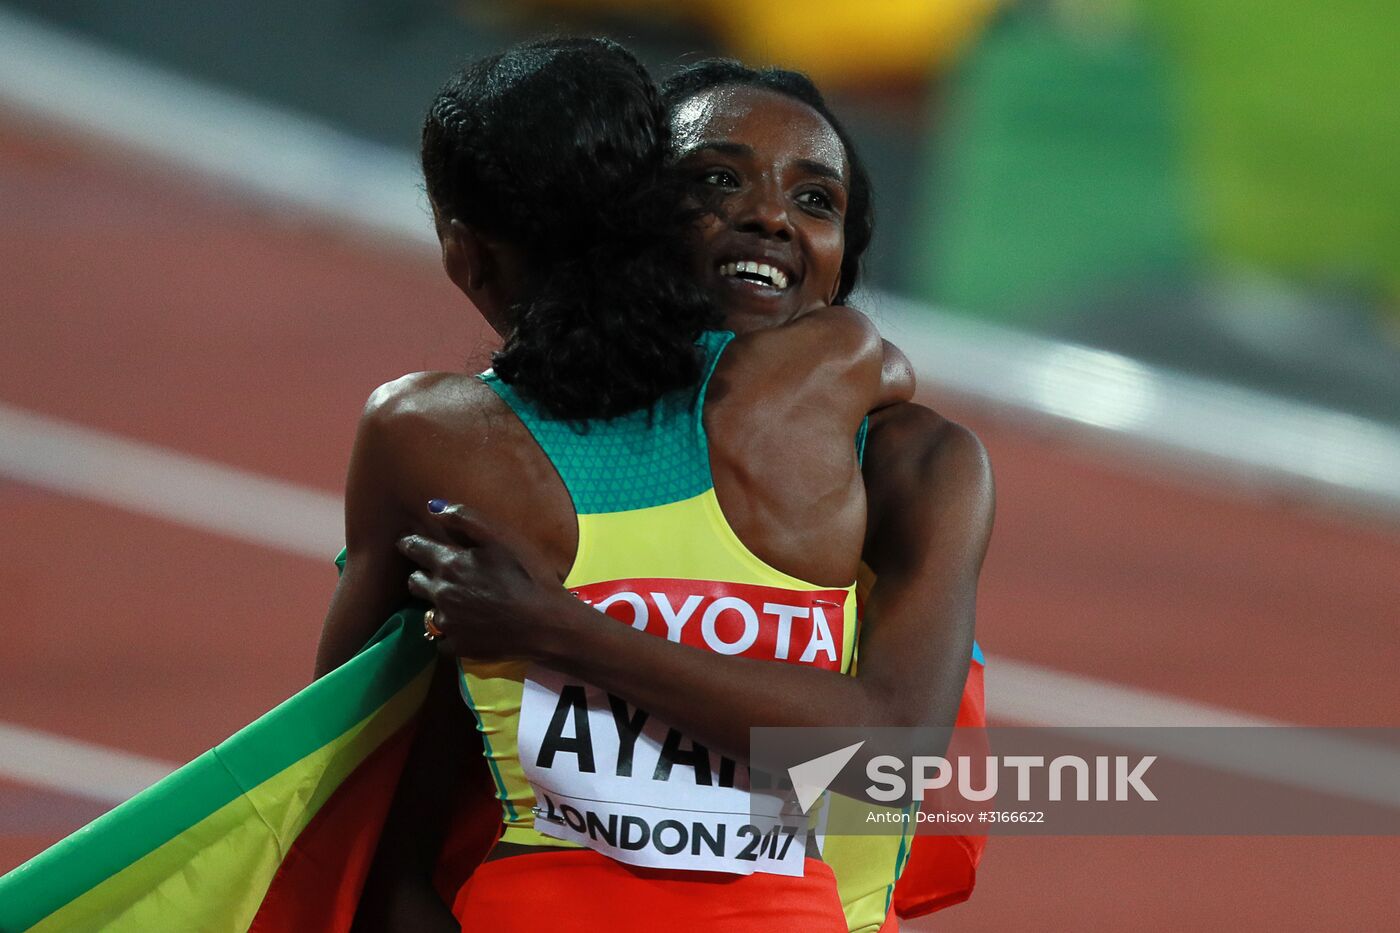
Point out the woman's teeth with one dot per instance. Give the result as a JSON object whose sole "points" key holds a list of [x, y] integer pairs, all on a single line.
{"points": [[756, 272]]}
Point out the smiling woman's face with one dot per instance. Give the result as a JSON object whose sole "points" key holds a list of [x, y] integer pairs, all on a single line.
{"points": [[774, 177]]}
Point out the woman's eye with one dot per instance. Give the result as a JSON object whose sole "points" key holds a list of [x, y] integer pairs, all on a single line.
{"points": [[720, 178]]}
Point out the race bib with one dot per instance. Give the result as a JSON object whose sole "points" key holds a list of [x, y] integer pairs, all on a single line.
{"points": [[616, 779]]}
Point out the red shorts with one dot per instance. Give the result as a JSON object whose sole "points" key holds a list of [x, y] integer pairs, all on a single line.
{"points": [[543, 892]]}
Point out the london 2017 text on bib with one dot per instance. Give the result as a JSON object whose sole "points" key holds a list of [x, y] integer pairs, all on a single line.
{"points": [[614, 778]]}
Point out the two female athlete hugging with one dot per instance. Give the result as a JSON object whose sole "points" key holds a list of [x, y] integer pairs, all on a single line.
{"points": [[670, 438]]}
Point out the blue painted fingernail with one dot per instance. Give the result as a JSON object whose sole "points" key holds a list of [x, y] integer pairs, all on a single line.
{"points": [[437, 505]]}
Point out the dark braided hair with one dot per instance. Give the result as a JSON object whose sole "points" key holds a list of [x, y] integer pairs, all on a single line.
{"points": [[722, 72], [559, 148]]}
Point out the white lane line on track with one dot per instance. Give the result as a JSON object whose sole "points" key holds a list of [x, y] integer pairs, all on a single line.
{"points": [[280, 157], [167, 484], [78, 768], [288, 159], [1228, 433], [1020, 693]]}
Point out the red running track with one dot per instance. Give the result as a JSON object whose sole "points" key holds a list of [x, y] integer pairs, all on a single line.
{"points": [[140, 302]]}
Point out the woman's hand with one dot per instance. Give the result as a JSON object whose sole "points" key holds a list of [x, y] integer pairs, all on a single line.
{"points": [[486, 603]]}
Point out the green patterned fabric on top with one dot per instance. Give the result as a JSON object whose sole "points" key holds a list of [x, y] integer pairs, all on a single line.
{"points": [[650, 457]]}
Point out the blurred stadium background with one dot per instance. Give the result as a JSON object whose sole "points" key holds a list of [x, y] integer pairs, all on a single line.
{"points": [[1149, 250]]}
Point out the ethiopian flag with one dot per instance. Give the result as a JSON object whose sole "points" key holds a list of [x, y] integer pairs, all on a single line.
{"points": [[271, 830]]}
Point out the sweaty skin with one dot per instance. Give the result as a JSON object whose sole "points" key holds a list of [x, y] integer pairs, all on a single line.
{"points": [[927, 480]]}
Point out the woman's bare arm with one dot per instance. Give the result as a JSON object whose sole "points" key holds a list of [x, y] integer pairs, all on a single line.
{"points": [[445, 759], [371, 587], [931, 502]]}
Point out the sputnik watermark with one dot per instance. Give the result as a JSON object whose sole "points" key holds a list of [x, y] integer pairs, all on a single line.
{"points": [[1115, 777], [1085, 781]]}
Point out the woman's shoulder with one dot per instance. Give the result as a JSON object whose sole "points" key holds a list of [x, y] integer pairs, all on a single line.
{"points": [[448, 435], [434, 401], [913, 452]]}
